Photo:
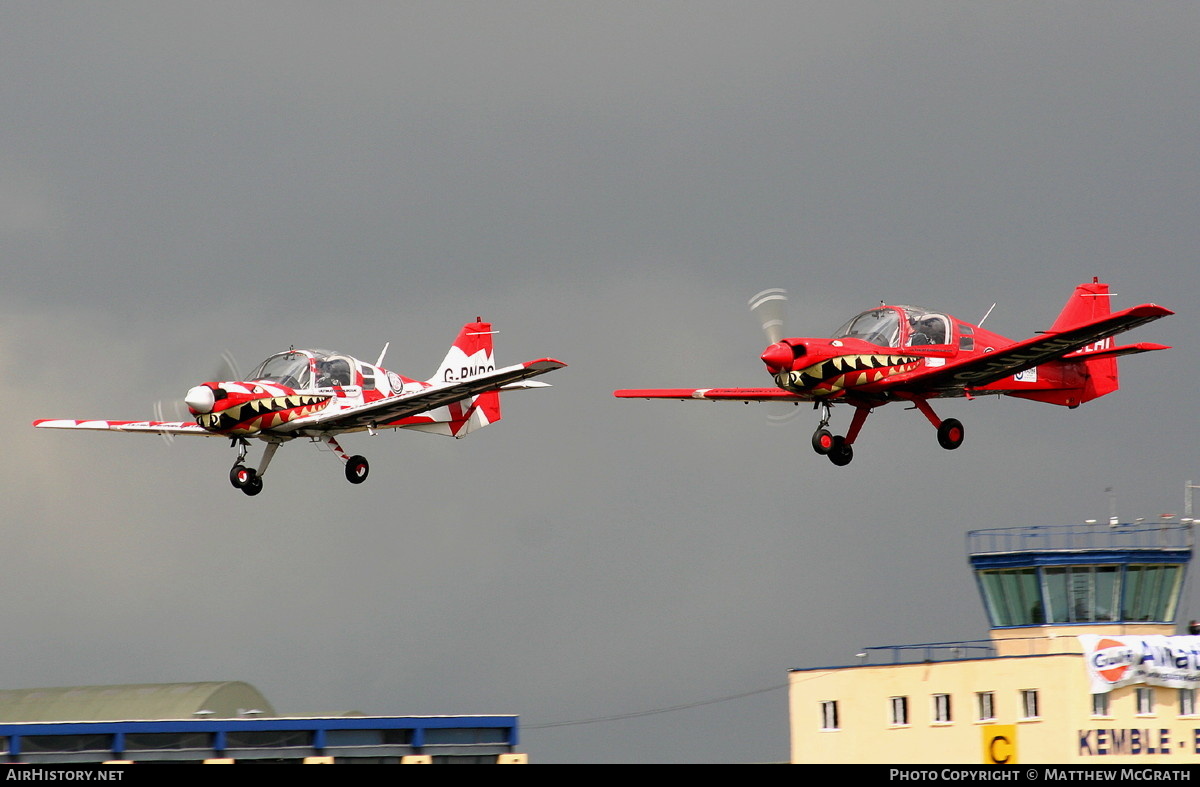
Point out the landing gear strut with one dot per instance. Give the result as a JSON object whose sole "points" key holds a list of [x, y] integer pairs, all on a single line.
{"points": [[822, 439], [357, 467], [838, 448], [249, 479], [950, 432]]}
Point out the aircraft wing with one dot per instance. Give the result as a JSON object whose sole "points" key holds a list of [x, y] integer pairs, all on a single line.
{"points": [[1049, 346], [715, 394], [152, 427], [384, 411]]}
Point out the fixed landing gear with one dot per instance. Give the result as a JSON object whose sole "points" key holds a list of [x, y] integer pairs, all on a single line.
{"points": [[249, 479], [839, 448], [950, 434], [822, 441], [357, 469], [842, 453], [245, 479]]}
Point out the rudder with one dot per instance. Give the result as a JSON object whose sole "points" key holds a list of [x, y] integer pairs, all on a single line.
{"points": [[471, 354], [1091, 301]]}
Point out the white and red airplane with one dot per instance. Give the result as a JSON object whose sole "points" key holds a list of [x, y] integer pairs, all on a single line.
{"points": [[320, 394]]}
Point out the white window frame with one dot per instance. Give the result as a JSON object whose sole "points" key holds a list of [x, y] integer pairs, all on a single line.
{"points": [[898, 707], [1029, 704], [986, 702], [941, 709]]}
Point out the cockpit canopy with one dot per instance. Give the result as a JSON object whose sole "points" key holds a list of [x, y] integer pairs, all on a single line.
{"points": [[305, 369], [894, 326]]}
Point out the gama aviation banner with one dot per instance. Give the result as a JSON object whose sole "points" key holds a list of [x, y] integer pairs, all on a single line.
{"points": [[1113, 662]]}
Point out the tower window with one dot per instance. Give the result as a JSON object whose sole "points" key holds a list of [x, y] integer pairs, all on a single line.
{"points": [[987, 705], [941, 707], [1029, 703]]}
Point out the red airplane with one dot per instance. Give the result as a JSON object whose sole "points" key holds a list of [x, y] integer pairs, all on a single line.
{"points": [[906, 354], [319, 394]]}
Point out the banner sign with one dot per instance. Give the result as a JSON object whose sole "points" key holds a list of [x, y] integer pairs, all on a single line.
{"points": [[1113, 662]]}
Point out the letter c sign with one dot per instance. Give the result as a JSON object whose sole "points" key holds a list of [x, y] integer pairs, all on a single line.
{"points": [[1000, 744]]}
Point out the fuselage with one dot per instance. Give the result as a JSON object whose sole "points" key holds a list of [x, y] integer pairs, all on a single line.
{"points": [[289, 386], [887, 345]]}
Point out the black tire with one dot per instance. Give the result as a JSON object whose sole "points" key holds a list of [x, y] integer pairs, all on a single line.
{"points": [[841, 454], [357, 469], [950, 434], [241, 476], [822, 441], [254, 487]]}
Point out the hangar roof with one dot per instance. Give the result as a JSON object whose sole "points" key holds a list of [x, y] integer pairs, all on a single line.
{"points": [[216, 699]]}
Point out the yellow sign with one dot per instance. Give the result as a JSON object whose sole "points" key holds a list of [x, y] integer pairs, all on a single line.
{"points": [[1000, 744]]}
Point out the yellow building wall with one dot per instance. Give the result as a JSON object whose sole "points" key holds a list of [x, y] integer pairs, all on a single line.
{"points": [[1063, 731]]}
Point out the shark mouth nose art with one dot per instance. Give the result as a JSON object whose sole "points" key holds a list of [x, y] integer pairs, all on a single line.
{"points": [[846, 371], [255, 415]]}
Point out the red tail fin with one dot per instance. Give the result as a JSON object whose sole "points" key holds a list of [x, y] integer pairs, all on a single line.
{"points": [[1090, 301]]}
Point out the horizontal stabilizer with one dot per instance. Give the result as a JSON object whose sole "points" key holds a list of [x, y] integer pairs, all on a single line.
{"points": [[524, 385], [1128, 349]]}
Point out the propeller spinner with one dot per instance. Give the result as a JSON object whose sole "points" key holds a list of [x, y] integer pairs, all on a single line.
{"points": [[769, 306]]}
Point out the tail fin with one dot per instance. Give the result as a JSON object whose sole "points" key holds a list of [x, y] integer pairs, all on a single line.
{"points": [[1089, 302], [1099, 374], [470, 355]]}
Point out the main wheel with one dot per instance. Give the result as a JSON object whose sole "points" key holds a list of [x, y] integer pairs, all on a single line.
{"points": [[240, 476], [357, 469], [253, 487], [950, 434], [840, 453], [822, 441]]}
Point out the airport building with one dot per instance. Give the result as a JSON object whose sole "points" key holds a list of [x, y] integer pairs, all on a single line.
{"points": [[1083, 663], [231, 723]]}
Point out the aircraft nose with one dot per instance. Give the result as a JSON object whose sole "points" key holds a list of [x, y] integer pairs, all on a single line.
{"points": [[777, 357], [200, 399]]}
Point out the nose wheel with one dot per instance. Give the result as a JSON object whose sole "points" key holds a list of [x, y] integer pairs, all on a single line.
{"points": [[839, 448], [822, 441], [246, 479], [249, 479]]}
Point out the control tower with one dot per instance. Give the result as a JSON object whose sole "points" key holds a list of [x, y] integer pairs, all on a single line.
{"points": [[1041, 584], [1083, 662]]}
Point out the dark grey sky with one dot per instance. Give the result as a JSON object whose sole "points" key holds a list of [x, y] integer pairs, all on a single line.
{"points": [[607, 182]]}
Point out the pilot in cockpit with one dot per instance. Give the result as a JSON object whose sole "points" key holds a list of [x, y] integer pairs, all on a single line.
{"points": [[332, 372], [926, 330]]}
